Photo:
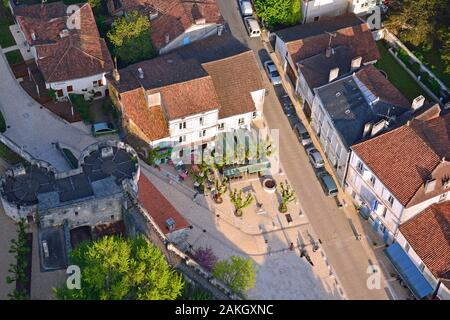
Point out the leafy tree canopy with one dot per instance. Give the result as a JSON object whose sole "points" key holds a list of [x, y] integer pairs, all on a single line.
{"points": [[114, 268], [130, 37], [418, 21], [278, 12], [238, 273]]}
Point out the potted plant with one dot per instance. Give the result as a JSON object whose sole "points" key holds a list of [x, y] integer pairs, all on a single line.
{"points": [[239, 202], [221, 188], [287, 195]]}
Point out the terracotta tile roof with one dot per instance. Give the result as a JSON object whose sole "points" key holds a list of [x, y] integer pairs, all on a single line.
{"points": [[46, 11], [213, 73], [404, 158], [80, 53], [428, 233], [234, 78], [358, 38], [158, 207], [374, 80], [150, 120], [188, 98], [174, 16]]}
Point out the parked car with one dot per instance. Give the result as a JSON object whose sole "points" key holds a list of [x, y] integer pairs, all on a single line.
{"points": [[252, 27], [315, 157], [246, 8], [327, 183], [302, 134], [272, 71], [101, 128]]}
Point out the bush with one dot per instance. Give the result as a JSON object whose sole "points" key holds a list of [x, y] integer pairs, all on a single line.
{"points": [[403, 55], [81, 106], [425, 77], [415, 68], [435, 87]]}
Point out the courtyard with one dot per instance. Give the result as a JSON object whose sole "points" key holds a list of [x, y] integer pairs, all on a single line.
{"points": [[290, 262]]}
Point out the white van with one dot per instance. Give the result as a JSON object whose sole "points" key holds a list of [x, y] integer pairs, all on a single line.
{"points": [[246, 8], [252, 27]]}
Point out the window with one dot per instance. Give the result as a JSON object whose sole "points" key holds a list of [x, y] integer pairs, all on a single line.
{"points": [[384, 212], [421, 266], [183, 125], [372, 180], [201, 120], [202, 133], [407, 246], [221, 126], [442, 197], [390, 200], [316, 18], [254, 115], [360, 167], [100, 82], [182, 139], [59, 93], [95, 83], [241, 121], [69, 88]]}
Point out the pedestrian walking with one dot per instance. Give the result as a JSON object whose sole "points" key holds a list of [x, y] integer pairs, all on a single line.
{"points": [[291, 247]]}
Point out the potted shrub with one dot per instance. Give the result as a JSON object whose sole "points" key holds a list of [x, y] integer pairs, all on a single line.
{"points": [[287, 195], [221, 188], [239, 202]]}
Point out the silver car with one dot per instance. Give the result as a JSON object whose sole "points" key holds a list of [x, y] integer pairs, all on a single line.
{"points": [[272, 72], [302, 134], [315, 157]]}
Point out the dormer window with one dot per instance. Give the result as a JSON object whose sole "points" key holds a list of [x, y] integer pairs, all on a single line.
{"points": [[390, 200]]}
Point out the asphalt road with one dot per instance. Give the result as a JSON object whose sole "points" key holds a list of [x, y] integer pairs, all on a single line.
{"points": [[345, 253]]}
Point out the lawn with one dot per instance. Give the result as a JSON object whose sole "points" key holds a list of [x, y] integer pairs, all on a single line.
{"points": [[14, 57], [397, 75], [6, 38], [10, 156]]}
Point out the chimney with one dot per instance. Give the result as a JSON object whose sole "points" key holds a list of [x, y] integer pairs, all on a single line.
{"points": [[418, 103], [378, 127], [367, 128], [328, 52], [141, 73], [64, 33], [33, 35], [333, 74], [116, 74], [167, 38], [356, 63]]}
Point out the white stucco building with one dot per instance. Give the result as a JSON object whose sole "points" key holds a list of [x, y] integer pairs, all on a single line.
{"points": [[400, 173], [185, 98], [71, 58], [316, 10]]}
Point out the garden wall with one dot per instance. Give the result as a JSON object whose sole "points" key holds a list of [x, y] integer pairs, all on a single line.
{"points": [[421, 72]]}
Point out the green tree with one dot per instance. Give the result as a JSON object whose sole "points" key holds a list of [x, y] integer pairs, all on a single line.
{"points": [[114, 268], [238, 273], [287, 195], [278, 12], [239, 201], [417, 21], [19, 248], [130, 37]]}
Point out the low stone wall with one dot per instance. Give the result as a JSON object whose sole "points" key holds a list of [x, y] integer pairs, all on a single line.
{"points": [[14, 147], [183, 262], [395, 42]]}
